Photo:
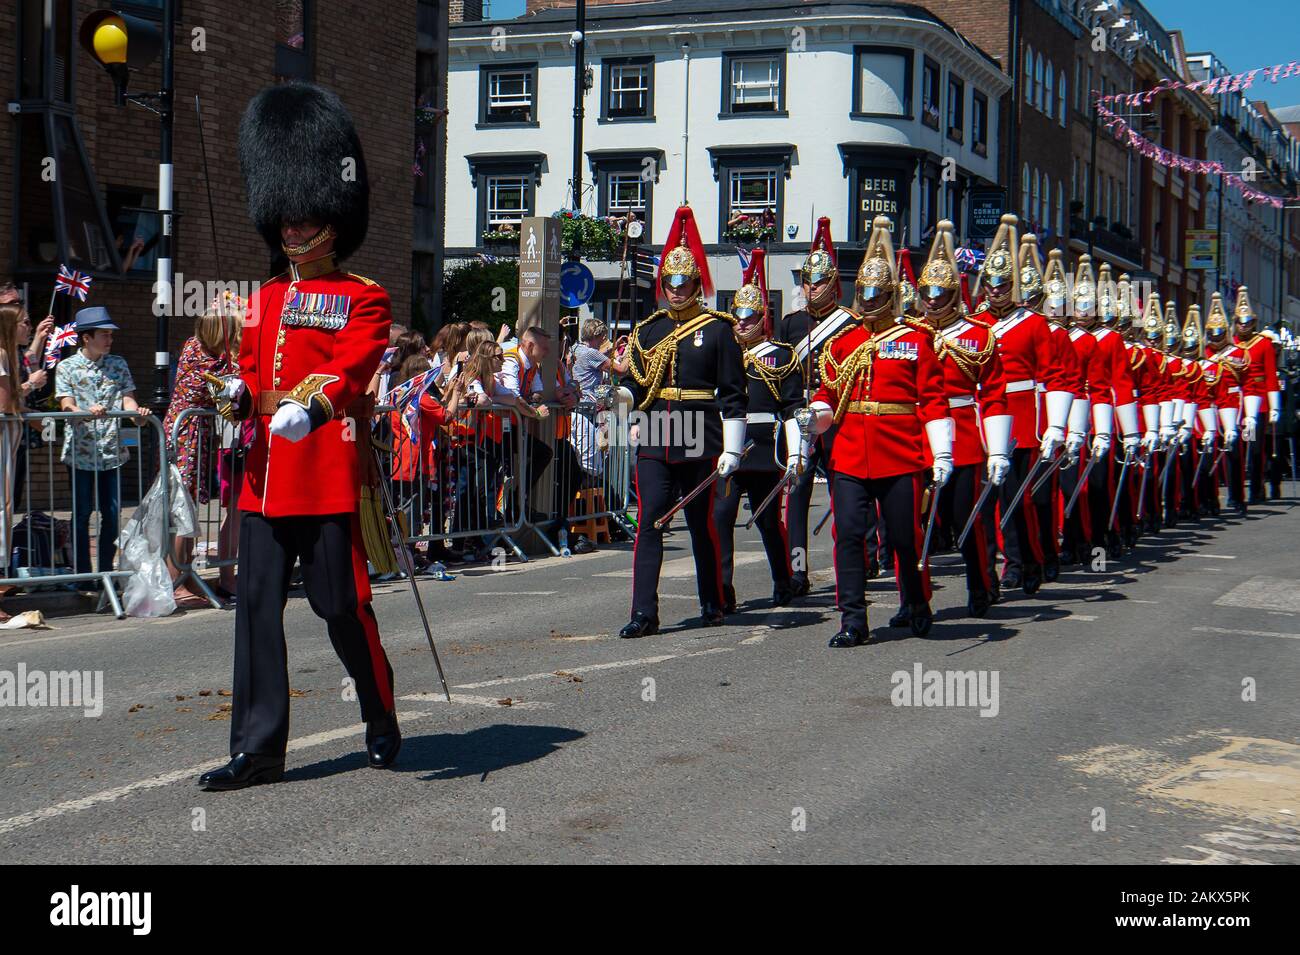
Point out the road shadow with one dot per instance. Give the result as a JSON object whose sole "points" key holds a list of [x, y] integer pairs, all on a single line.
{"points": [[441, 756]]}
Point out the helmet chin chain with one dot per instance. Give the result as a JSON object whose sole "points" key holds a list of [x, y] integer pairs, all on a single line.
{"points": [[324, 235]]}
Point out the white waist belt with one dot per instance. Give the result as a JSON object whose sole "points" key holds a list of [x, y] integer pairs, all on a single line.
{"points": [[1026, 384], [961, 401], [761, 417], [1234, 390]]}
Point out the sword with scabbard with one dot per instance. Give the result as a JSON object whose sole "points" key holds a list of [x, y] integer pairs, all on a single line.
{"points": [[1062, 463], [698, 490], [1119, 489], [804, 418], [1078, 487], [1144, 461], [931, 489], [1024, 486], [979, 503]]}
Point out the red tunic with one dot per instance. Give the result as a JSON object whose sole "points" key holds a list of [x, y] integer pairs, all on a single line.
{"points": [[1114, 360], [905, 371], [1260, 376], [1029, 356], [962, 393], [340, 337]]}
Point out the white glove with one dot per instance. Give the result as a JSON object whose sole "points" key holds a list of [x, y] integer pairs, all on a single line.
{"points": [[823, 418], [1150, 441], [1166, 436], [794, 450], [290, 422], [233, 389], [1184, 436], [1100, 444], [999, 466], [1248, 429], [733, 441], [1274, 416], [942, 470], [1207, 442], [1074, 442], [1230, 439], [1131, 442], [1053, 438], [939, 433]]}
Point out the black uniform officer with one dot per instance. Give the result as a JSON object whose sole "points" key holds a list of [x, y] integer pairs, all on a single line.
{"points": [[774, 379], [689, 419]]}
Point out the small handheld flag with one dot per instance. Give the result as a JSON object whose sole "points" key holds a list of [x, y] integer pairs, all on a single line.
{"points": [[62, 337], [72, 283]]}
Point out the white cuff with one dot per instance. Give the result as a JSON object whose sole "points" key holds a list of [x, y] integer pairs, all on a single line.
{"points": [[823, 418], [1058, 408], [1166, 414], [1128, 418], [733, 435], [997, 434], [1103, 419], [1253, 404], [1151, 416], [1208, 421], [1275, 401], [1189, 414], [793, 438], [1228, 418], [1079, 415], [1179, 405], [939, 433]]}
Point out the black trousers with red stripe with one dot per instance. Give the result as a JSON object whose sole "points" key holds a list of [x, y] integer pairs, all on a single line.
{"points": [[333, 559], [960, 494], [1022, 537], [853, 499], [726, 509], [659, 485]]}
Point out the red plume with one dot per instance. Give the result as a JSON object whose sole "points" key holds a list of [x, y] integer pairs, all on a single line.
{"points": [[684, 227], [756, 274], [822, 239], [905, 265], [965, 292]]}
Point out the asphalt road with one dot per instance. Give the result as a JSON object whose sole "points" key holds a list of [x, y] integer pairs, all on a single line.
{"points": [[1144, 712]]}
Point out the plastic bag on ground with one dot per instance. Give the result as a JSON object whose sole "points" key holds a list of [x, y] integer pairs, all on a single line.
{"points": [[144, 545]]}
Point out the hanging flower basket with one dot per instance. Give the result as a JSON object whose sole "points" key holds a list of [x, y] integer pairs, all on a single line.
{"points": [[589, 236]]}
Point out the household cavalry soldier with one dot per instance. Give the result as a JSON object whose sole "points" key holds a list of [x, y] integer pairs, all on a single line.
{"points": [[882, 384], [1029, 356], [974, 389], [1076, 355], [774, 379], [1184, 413], [1034, 287], [1204, 378], [1230, 363], [1262, 393], [1144, 367], [807, 331], [1163, 385], [312, 341], [689, 384]]}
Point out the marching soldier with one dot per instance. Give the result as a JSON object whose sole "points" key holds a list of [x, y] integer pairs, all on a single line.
{"points": [[1211, 396], [974, 388], [774, 380], [1184, 414], [685, 361], [1029, 356], [1229, 361], [808, 330], [1199, 411], [1261, 390], [883, 385], [1146, 380], [313, 339]]}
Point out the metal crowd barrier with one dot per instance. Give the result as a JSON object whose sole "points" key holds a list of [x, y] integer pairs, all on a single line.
{"points": [[57, 523]]}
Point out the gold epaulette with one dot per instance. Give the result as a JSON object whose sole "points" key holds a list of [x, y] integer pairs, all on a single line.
{"points": [[771, 376], [360, 278], [722, 316]]}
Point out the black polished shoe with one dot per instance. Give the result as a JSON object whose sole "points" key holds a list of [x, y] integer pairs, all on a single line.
{"points": [[711, 615], [1051, 569], [782, 594], [1011, 580], [799, 585], [383, 740], [728, 598], [244, 770], [639, 626], [903, 618], [848, 637], [921, 619], [873, 570], [978, 602], [1031, 579]]}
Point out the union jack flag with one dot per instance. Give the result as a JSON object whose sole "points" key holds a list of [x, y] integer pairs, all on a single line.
{"points": [[67, 335], [406, 399], [72, 283]]}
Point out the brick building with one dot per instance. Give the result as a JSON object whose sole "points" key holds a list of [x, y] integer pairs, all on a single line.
{"points": [[226, 50]]}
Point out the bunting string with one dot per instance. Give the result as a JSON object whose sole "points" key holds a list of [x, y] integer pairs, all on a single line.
{"points": [[1211, 86]]}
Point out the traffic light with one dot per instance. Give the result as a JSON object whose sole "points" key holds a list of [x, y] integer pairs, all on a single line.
{"points": [[120, 43]]}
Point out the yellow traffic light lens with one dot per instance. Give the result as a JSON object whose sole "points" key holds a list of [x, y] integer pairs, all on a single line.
{"points": [[109, 41]]}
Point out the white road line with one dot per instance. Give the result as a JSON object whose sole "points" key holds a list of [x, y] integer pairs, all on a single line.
{"points": [[515, 593], [1247, 633], [166, 779], [550, 674], [1194, 553], [683, 567], [491, 701]]}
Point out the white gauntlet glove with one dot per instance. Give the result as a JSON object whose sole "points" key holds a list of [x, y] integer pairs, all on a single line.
{"points": [[733, 441], [1053, 438], [795, 455], [1248, 429], [290, 422], [998, 467], [939, 434], [997, 437], [1100, 444], [1150, 441]]}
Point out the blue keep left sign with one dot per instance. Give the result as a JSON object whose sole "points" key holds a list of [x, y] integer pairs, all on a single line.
{"points": [[577, 284]]}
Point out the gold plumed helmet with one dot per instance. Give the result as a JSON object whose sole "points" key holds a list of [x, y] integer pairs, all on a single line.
{"points": [[1172, 330], [1216, 323], [1153, 328], [941, 270], [999, 265], [906, 280], [749, 304], [1192, 332], [877, 275], [820, 261], [1242, 313], [1124, 311], [1085, 288], [1031, 268], [1056, 286], [1107, 296]]}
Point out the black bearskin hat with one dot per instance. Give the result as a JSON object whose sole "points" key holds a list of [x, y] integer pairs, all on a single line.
{"points": [[301, 159]]}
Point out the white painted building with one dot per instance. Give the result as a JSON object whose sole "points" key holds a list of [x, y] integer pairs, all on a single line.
{"points": [[832, 108]]}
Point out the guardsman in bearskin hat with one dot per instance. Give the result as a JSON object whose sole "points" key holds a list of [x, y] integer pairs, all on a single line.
{"points": [[312, 341], [1230, 362], [807, 331], [774, 379], [689, 383], [974, 388], [883, 385], [1029, 357], [1261, 389]]}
